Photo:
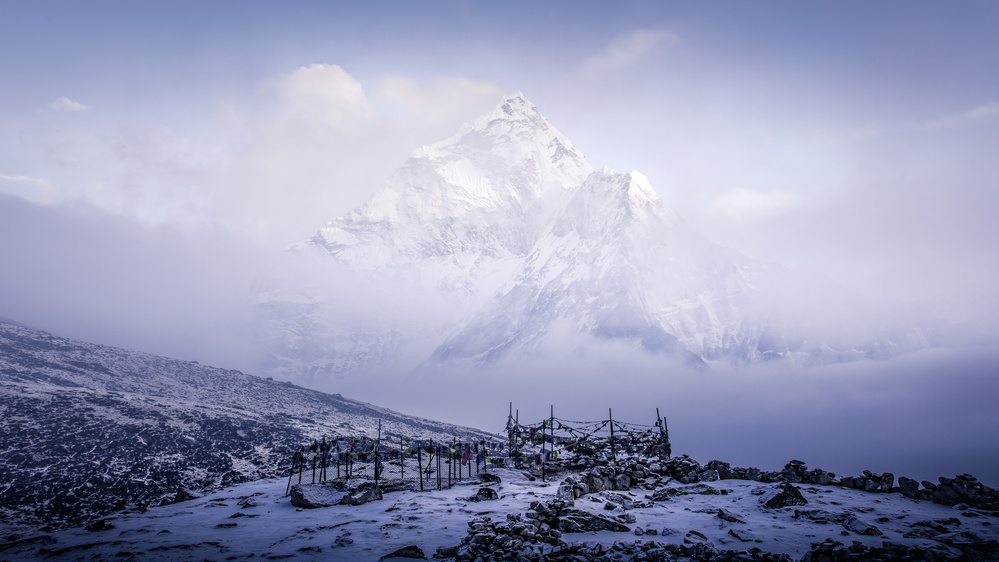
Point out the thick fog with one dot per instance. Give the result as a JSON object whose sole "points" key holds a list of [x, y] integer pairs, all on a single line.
{"points": [[154, 165]]}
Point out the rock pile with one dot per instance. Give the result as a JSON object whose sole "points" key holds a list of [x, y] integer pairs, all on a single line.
{"points": [[516, 538], [835, 551], [312, 496], [639, 550]]}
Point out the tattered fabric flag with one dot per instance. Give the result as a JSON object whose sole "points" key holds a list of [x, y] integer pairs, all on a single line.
{"points": [[464, 458]]}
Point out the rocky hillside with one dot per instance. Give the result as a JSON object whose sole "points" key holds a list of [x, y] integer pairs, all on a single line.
{"points": [[87, 429]]}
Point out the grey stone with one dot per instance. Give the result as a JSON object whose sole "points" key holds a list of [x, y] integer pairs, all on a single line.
{"points": [[576, 521], [744, 535], [183, 495], [728, 516], [908, 487], [709, 475], [622, 482], [411, 551], [887, 482], [486, 494], [695, 537], [861, 528], [946, 495], [782, 495]]}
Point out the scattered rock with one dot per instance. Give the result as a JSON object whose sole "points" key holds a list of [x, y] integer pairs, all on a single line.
{"points": [[183, 495], [489, 478], [744, 535], [411, 551], [852, 523], [782, 495], [695, 537], [484, 494], [728, 516], [576, 521], [99, 525]]}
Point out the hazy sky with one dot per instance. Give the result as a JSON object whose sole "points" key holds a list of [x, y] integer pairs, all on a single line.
{"points": [[155, 156], [858, 139]]}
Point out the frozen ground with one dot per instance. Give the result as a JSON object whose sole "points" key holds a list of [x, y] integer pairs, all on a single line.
{"points": [[255, 520]]}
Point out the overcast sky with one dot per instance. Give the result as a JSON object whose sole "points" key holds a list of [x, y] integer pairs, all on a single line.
{"points": [[155, 155]]}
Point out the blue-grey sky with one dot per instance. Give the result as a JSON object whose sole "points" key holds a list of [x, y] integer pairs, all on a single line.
{"points": [[155, 155]]}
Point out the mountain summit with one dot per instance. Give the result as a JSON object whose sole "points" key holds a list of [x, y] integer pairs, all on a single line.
{"points": [[514, 234]]}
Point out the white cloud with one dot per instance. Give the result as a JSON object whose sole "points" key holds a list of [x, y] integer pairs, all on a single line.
{"points": [[35, 190], [976, 115], [67, 104], [628, 50], [324, 92], [746, 205]]}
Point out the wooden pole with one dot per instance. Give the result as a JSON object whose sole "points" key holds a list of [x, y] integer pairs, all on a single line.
{"points": [[402, 461], [419, 461], [510, 430], [613, 453], [378, 443]]}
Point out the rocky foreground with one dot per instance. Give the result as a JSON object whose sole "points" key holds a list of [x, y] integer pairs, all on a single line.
{"points": [[633, 511]]}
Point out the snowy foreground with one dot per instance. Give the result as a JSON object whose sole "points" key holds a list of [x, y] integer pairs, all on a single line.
{"points": [[256, 520]]}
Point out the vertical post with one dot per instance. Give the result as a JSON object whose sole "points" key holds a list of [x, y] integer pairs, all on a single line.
{"points": [[402, 461], [516, 430], [419, 461], [610, 415], [438, 466], [509, 431], [485, 457], [378, 443]]}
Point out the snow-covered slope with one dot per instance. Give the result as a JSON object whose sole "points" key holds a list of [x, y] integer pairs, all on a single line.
{"points": [[511, 227], [721, 520], [87, 429]]}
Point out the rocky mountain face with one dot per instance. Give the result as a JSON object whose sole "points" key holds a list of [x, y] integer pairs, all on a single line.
{"points": [[86, 429], [510, 227]]}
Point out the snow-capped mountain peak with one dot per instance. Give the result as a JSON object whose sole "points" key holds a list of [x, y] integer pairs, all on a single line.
{"points": [[509, 224]]}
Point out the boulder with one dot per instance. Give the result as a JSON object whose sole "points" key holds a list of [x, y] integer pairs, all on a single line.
{"points": [[709, 475], [485, 494], [946, 495], [411, 551], [782, 495], [622, 482], [183, 494], [908, 487], [312, 496], [366, 492], [744, 535], [728, 516], [857, 526], [695, 537], [577, 521], [887, 482], [99, 525], [489, 478]]}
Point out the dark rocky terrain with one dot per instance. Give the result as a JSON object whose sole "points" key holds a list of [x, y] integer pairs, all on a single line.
{"points": [[86, 430]]}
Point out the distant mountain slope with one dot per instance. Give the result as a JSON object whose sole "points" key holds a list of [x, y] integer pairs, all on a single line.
{"points": [[88, 429]]}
